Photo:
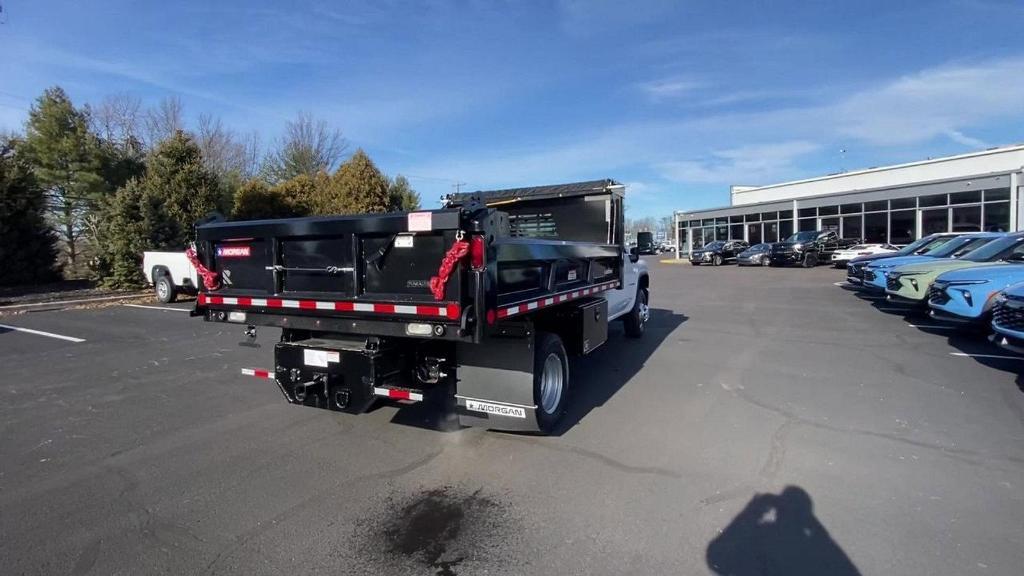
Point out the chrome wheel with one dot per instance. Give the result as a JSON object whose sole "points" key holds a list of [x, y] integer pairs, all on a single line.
{"points": [[552, 381], [644, 311], [161, 290]]}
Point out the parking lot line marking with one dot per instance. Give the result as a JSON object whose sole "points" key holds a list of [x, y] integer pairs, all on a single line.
{"points": [[157, 307], [932, 327], [966, 355], [41, 333]]}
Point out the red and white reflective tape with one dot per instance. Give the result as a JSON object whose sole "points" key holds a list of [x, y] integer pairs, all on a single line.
{"points": [[398, 394], [258, 373], [524, 307], [450, 311]]}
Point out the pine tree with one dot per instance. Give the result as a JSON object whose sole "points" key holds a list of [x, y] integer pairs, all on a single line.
{"points": [[358, 187], [177, 175], [65, 157], [27, 244], [401, 196], [157, 211]]}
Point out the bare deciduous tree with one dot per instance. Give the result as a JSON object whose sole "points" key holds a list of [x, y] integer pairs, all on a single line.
{"points": [[163, 120], [118, 119], [308, 146]]}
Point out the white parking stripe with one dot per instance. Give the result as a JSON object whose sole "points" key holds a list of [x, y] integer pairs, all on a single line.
{"points": [[932, 327], [157, 307], [41, 333], [966, 355]]}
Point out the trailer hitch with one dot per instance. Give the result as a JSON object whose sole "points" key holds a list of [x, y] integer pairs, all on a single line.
{"points": [[250, 337]]}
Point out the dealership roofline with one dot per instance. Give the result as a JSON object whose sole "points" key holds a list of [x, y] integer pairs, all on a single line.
{"points": [[742, 206]]}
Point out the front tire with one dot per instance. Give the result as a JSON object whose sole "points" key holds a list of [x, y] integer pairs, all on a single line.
{"points": [[766, 261], [636, 321], [810, 260], [550, 381], [164, 289], [716, 260]]}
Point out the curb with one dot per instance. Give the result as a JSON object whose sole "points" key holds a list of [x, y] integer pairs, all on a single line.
{"points": [[59, 303]]}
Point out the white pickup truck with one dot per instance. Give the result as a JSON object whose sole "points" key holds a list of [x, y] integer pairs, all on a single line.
{"points": [[170, 273]]}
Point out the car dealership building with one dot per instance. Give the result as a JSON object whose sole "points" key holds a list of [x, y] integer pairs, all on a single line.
{"points": [[894, 204]]}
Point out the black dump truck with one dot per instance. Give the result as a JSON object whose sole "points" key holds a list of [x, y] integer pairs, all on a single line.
{"points": [[479, 303]]}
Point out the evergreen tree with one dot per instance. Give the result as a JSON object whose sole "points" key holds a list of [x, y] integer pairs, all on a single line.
{"points": [[401, 196], [156, 211], [255, 200], [65, 157], [177, 175], [358, 187], [27, 244]]}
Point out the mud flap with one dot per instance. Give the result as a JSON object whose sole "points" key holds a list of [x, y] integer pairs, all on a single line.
{"points": [[495, 384]]}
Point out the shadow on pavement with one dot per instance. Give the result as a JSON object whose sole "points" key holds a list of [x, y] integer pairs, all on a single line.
{"points": [[595, 377], [600, 375], [778, 534]]}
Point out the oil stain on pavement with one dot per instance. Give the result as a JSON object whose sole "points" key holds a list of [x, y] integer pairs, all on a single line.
{"points": [[444, 530]]}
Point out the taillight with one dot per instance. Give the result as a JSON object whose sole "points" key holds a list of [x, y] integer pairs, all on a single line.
{"points": [[476, 252]]}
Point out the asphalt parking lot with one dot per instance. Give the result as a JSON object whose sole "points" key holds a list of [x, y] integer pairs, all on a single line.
{"points": [[770, 422]]}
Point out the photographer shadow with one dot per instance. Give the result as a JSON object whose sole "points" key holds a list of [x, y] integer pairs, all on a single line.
{"points": [[778, 534]]}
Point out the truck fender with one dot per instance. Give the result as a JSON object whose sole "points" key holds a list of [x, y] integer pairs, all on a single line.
{"points": [[158, 271]]}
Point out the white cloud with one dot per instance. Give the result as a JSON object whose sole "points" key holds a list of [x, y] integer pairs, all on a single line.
{"points": [[932, 103], [668, 88], [751, 163], [961, 138]]}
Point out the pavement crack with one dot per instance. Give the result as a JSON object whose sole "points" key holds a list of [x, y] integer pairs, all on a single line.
{"points": [[600, 458], [777, 452]]}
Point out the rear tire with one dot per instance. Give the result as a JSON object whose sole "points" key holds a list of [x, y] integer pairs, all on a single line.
{"points": [[550, 381], [636, 321], [164, 289]]}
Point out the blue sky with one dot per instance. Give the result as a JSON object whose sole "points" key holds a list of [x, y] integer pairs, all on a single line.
{"points": [[677, 99]]}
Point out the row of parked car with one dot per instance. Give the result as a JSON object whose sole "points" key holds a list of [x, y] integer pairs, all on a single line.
{"points": [[806, 249], [974, 280]]}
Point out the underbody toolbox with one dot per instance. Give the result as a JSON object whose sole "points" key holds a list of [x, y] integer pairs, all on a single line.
{"points": [[335, 374]]}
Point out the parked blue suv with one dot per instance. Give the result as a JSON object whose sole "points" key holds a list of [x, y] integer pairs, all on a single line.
{"points": [[1008, 318], [967, 295], [875, 273]]}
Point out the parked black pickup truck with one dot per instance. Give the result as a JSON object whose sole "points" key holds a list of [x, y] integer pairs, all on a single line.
{"points": [[808, 248]]}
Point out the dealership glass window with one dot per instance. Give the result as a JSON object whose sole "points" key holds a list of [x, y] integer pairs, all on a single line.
{"points": [[694, 223], [997, 194], [754, 234], [808, 224], [933, 200], [876, 206], [830, 224], [851, 226], [876, 227], [902, 226], [828, 210], [721, 233], [753, 217], [765, 216], [698, 238], [900, 203], [965, 197], [736, 219], [936, 220], [785, 229], [997, 216], [850, 208], [707, 222], [721, 221], [806, 212], [771, 232], [736, 232], [785, 215], [966, 219]]}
